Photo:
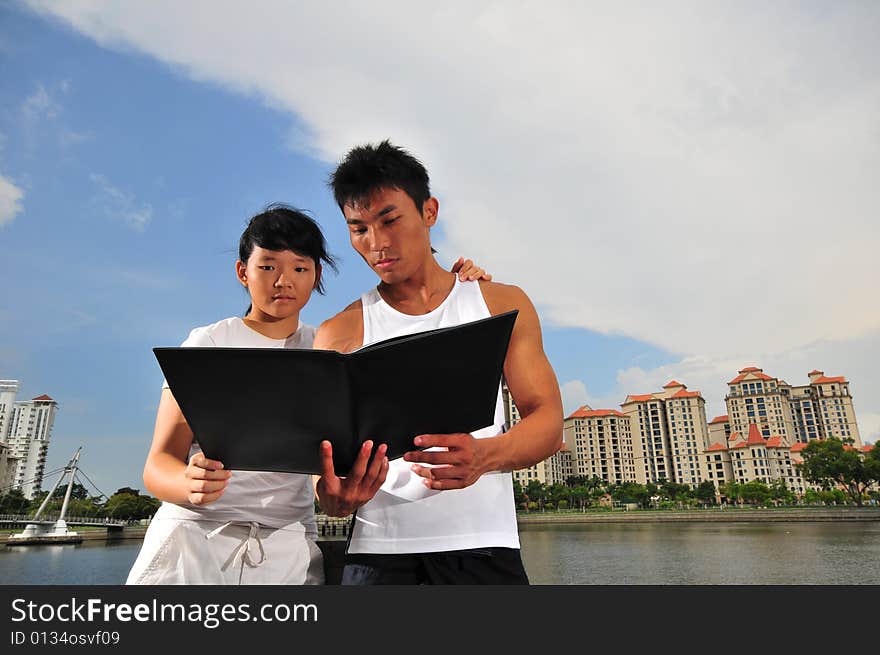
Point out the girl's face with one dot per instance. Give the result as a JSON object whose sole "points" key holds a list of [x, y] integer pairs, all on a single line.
{"points": [[280, 282]]}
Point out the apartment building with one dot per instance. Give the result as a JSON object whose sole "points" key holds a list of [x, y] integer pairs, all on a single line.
{"points": [[669, 433], [754, 457], [754, 397], [832, 408], [719, 430], [817, 410], [650, 437], [600, 441], [28, 440], [8, 462]]}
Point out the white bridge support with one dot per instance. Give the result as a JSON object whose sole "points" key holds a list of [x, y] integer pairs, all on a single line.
{"points": [[39, 533]]}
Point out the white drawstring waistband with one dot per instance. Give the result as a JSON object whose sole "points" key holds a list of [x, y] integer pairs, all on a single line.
{"points": [[242, 553]]}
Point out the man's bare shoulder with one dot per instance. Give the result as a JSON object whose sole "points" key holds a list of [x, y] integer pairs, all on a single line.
{"points": [[502, 298], [343, 332]]}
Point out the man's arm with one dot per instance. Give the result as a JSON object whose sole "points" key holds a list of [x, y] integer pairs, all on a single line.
{"points": [[344, 332], [535, 391]]}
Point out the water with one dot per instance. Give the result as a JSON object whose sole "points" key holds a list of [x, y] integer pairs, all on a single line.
{"points": [[703, 553], [627, 554]]}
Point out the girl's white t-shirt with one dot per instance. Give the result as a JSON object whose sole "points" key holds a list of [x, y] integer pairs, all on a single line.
{"points": [[271, 499]]}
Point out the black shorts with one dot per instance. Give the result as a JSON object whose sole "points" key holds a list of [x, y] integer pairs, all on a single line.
{"points": [[496, 566]]}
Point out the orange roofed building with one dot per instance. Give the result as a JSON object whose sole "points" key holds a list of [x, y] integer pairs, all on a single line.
{"points": [[669, 431], [601, 443], [817, 410]]}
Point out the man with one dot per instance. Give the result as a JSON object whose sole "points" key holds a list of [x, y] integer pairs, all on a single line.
{"points": [[446, 514]]}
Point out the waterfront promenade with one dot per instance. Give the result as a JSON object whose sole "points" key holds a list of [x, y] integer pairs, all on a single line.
{"points": [[333, 529], [714, 515]]}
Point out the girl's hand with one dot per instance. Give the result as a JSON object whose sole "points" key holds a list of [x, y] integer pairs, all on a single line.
{"points": [[205, 479], [467, 270]]}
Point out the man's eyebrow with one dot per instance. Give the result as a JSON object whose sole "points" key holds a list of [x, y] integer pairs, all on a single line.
{"points": [[387, 210]]}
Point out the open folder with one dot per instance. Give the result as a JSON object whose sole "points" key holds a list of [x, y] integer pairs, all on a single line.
{"points": [[268, 409]]}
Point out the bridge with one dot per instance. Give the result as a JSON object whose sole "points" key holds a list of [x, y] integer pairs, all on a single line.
{"points": [[11, 520], [47, 530]]}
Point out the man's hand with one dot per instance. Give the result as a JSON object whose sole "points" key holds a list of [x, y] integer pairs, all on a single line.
{"points": [[459, 466], [205, 479], [342, 496]]}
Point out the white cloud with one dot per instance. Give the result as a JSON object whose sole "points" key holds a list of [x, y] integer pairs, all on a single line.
{"points": [[574, 395], [700, 176], [10, 200], [72, 137], [118, 204], [710, 377], [39, 105]]}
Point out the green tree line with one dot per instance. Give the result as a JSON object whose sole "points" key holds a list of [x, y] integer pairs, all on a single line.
{"points": [[843, 474], [125, 504]]}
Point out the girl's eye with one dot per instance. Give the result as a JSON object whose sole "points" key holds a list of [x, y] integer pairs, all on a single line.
{"points": [[266, 268], [300, 269]]}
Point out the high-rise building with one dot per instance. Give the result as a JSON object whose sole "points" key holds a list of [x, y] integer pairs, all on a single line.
{"points": [[688, 431], [8, 392], [650, 437], [669, 432], [832, 407], [29, 434], [719, 430], [754, 457], [817, 410], [754, 397], [8, 462], [600, 441]]}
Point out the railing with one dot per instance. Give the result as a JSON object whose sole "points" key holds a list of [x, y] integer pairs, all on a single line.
{"points": [[332, 526], [49, 518]]}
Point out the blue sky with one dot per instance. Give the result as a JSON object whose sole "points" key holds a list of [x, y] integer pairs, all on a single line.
{"points": [[138, 156]]}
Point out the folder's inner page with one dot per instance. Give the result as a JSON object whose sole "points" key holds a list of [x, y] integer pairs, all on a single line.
{"points": [[262, 409]]}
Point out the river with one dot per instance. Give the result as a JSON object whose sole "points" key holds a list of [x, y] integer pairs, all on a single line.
{"points": [[617, 554]]}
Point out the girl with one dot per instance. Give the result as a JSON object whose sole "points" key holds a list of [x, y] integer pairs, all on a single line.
{"points": [[250, 527]]}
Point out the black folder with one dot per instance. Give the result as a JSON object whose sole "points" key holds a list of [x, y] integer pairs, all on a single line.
{"points": [[268, 409]]}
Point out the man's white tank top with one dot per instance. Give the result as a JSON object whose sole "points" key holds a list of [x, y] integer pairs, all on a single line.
{"points": [[407, 517]]}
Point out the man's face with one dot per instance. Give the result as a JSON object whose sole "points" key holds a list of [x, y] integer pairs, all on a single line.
{"points": [[390, 233]]}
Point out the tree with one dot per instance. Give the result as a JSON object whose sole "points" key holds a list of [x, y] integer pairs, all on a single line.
{"points": [[536, 492], [732, 491], [127, 506], [77, 491], [755, 492], [519, 494], [872, 463], [630, 492], [705, 492], [581, 496], [832, 461], [13, 502], [675, 491], [128, 490], [780, 492]]}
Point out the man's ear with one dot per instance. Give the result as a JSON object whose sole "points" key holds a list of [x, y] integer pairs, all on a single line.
{"points": [[429, 211], [241, 272]]}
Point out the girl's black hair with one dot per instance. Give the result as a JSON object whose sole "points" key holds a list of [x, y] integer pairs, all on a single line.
{"points": [[282, 227]]}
